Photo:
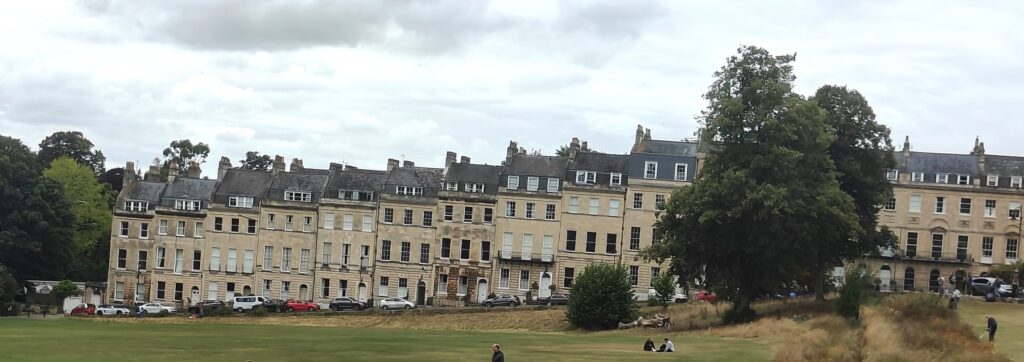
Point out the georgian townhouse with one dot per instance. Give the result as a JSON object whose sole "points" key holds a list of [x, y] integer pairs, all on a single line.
{"points": [[955, 216], [656, 169], [232, 232], [406, 226], [593, 201], [528, 222], [346, 235], [287, 237], [465, 230], [132, 237]]}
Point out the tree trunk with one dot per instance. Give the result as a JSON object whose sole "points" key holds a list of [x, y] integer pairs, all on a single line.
{"points": [[819, 285]]}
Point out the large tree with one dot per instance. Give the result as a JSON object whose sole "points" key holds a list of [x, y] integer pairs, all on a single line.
{"points": [[185, 154], [862, 153], [35, 218], [91, 202], [767, 190], [70, 144], [255, 161]]}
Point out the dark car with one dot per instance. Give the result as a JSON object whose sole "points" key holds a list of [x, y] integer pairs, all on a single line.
{"points": [[981, 285], [504, 299], [275, 305], [342, 303], [208, 307], [554, 299]]}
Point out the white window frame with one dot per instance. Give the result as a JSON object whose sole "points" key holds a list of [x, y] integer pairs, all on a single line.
{"points": [[917, 176], [1016, 181], [138, 206], [613, 207], [503, 277], [524, 283], [553, 185], [304, 261], [1013, 209], [914, 205], [286, 260], [892, 174], [586, 177], [527, 246], [513, 182], [681, 176], [249, 261], [240, 201], [650, 173], [615, 179], [367, 223], [144, 230], [594, 206], [307, 224], [232, 260], [215, 259], [197, 230], [532, 183], [329, 220], [963, 179], [162, 229], [992, 180], [475, 187], [574, 204], [510, 209], [179, 229], [179, 260], [161, 254], [990, 211], [451, 186], [442, 284], [211, 291], [187, 205], [124, 230], [942, 178], [299, 196], [940, 205], [268, 257], [347, 222]]}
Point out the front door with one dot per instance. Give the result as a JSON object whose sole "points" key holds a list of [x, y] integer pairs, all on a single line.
{"points": [[195, 296], [885, 275], [421, 292], [545, 285], [362, 292], [481, 291]]}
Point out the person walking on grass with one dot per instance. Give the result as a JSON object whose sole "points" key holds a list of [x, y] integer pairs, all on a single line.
{"points": [[498, 355], [992, 325]]}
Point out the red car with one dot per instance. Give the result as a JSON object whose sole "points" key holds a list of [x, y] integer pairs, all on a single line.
{"points": [[299, 305], [84, 309], [707, 296]]}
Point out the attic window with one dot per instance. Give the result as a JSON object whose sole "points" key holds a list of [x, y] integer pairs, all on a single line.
{"points": [[451, 186], [408, 190], [963, 180], [942, 178], [189, 205], [136, 206], [298, 196], [892, 175], [616, 179], [552, 185], [586, 177], [1015, 181], [917, 177], [993, 180], [240, 201], [477, 187]]}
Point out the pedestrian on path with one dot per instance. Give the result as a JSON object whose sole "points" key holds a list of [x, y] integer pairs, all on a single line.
{"points": [[992, 325]]}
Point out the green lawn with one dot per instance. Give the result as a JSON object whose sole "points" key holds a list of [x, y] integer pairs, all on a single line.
{"points": [[72, 339], [1009, 335]]}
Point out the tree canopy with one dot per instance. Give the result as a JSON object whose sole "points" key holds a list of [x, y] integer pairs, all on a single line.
{"points": [[91, 203], [70, 144], [185, 154], [255, 161], [601, 297]]}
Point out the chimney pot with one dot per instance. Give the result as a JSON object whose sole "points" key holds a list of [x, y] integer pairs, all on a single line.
{"points": [[278, 163], [392, 164], [194, 171], [408, 163], [464, 159], [222, 167], [172, 171], [449, 158], [296, 165]]}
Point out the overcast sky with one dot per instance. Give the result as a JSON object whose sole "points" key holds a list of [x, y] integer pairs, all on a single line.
{"points": [[361, 81]]}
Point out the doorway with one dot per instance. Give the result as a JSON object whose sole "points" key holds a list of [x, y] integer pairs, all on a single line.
{"points": [[195, 296], [885, 275], [362, 292], [481, 291], [421, 292], [545, 285]]}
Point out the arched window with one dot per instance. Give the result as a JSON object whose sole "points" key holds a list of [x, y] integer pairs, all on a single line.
{"points": [[908, 279], [933, 281], [247, 290]]}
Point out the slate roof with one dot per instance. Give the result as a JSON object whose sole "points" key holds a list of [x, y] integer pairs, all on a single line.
{"points": [[427, 178], [243, 182], [679, 148], [1004, 165], [357, 180], [308, 180], [143, 191], [544, 166], [189, 189], [467, 172], [600, 162], [926, 162]]}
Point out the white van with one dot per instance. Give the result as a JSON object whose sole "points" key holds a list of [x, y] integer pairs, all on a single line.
{"points": [[241, 304]]}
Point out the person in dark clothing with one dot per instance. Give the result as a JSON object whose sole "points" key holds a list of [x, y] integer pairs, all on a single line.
{"points": [[498, 355], [992, 325], [649, 345]]}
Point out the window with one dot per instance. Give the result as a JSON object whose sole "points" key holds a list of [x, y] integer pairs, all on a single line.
{"points": [[613, 207], [650, 169], [463, 285], [304, 261], [552, 185], [467, 214], [506, 245], [567, 277], [908, 279], [124, 229], [405, 251], [655, 236], [179, 260], [197, 260], [355, 195], [549, 212], [286, 259], [464, 255], [451, 186], [1015, 181], [475, 187], [342, 288], [655, 273], [527, 247], [266, 288], [615, 179], [892, 175], [160, 251], [990, 208], [364, 252], [211, 291], [389, 215], [326, 257], [681, 172], [428, 218], [965, 206], [638, 200], [297, 196], [634, 275], [961, 247], [345, 256], [510, 209], [180, 230], [488, 215], [911, 244], [162, 229], [383, 289], [232, 260], [574, 204], [915, 203], [986, 246], [179, 289], [325, 288], [367, 223], [122, 258], [252, 226], [591, 242], [659, 202], [329, 220], [485, 250], [532, 183], [136, 206], [240, 201], [446, 248], [234, 225], [610, 243], [513, 182], [586, 177], [917, 177], [289, 222], [940, 205], [285, 286], [942, 178], [250, 256], [593, 206], [992, 180], [634, 238], [963, 180], [160, 287], [570, 240], [188, 205], [268, 257], [449, 212], [524, 280], [503, 279], [143, 259], [937, 246], [385, 250], [529, 210], [424, 253], [442, 283], [307, 224], [1014, 209], [403, 288], [407, 217], [270, 221], [1011, 248], [218, 224], [215, 259], [891, 204]]}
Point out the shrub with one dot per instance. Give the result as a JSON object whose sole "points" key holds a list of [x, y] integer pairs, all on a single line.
{"points": [[7, 285], [65, 289], [601, 298], [853, 293], [665, 286], [259, 312]]}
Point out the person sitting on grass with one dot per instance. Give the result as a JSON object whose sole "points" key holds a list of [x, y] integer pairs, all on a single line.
{"points": [[649, 345], [667, 346]]}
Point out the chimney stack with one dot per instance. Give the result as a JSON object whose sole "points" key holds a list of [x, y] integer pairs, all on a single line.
{"points": [[172, 171], [129, 173], [584, 147], [906, 152], [392, 164], [449, 158], [647, 135], [464, 160], [509, 152], [154, 172], [639, 138], [222, 167], [296, 165], [194, 171], [278, 164], [574, 147], [408, 163]]}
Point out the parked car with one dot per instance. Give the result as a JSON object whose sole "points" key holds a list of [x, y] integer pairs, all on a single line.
{"points": [[84, 309], [275, 305], [680, 298], [293, 305], [107, 309], [1006, 290], [208, 306], [981, 285], [156, 307], [554, 299], [246, 303], [342, 303], [504, 299], [396, 303], [706, 296]]}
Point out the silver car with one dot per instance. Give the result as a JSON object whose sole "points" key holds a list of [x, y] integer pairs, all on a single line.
{"points": [[396, 303]]}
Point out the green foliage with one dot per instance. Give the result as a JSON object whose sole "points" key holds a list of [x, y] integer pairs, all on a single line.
{"points": [[1006, 272], [601, 297], [7, 285], [65, 289], [665, 286], [255, 161], [72, 145], [854, 292], [185, 154], [91, 203], [113, 177]]}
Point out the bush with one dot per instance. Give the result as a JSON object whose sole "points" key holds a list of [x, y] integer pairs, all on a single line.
{"points": [[7, 285], [65, 289], [259, 312], [853, 293], [601, 298], [665, 286]]}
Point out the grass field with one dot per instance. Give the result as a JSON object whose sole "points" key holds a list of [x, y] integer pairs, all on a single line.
{"points": [[72, 339], [1009, 335]]}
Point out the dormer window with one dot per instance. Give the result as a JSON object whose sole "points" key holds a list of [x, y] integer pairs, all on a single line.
{"points": [[963, 179], [917, 177], [136, 206], [451, 186], [586, 177], [892, 175], [475, 187], [298, 196], [188, 205], [408, 190], [353, 195], [681, 169], [532, 183], [513, 182], [942, 178], [616, 179], [240, 201], [650, 169], [553, 185], [1015, 182], [992, 180]]}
